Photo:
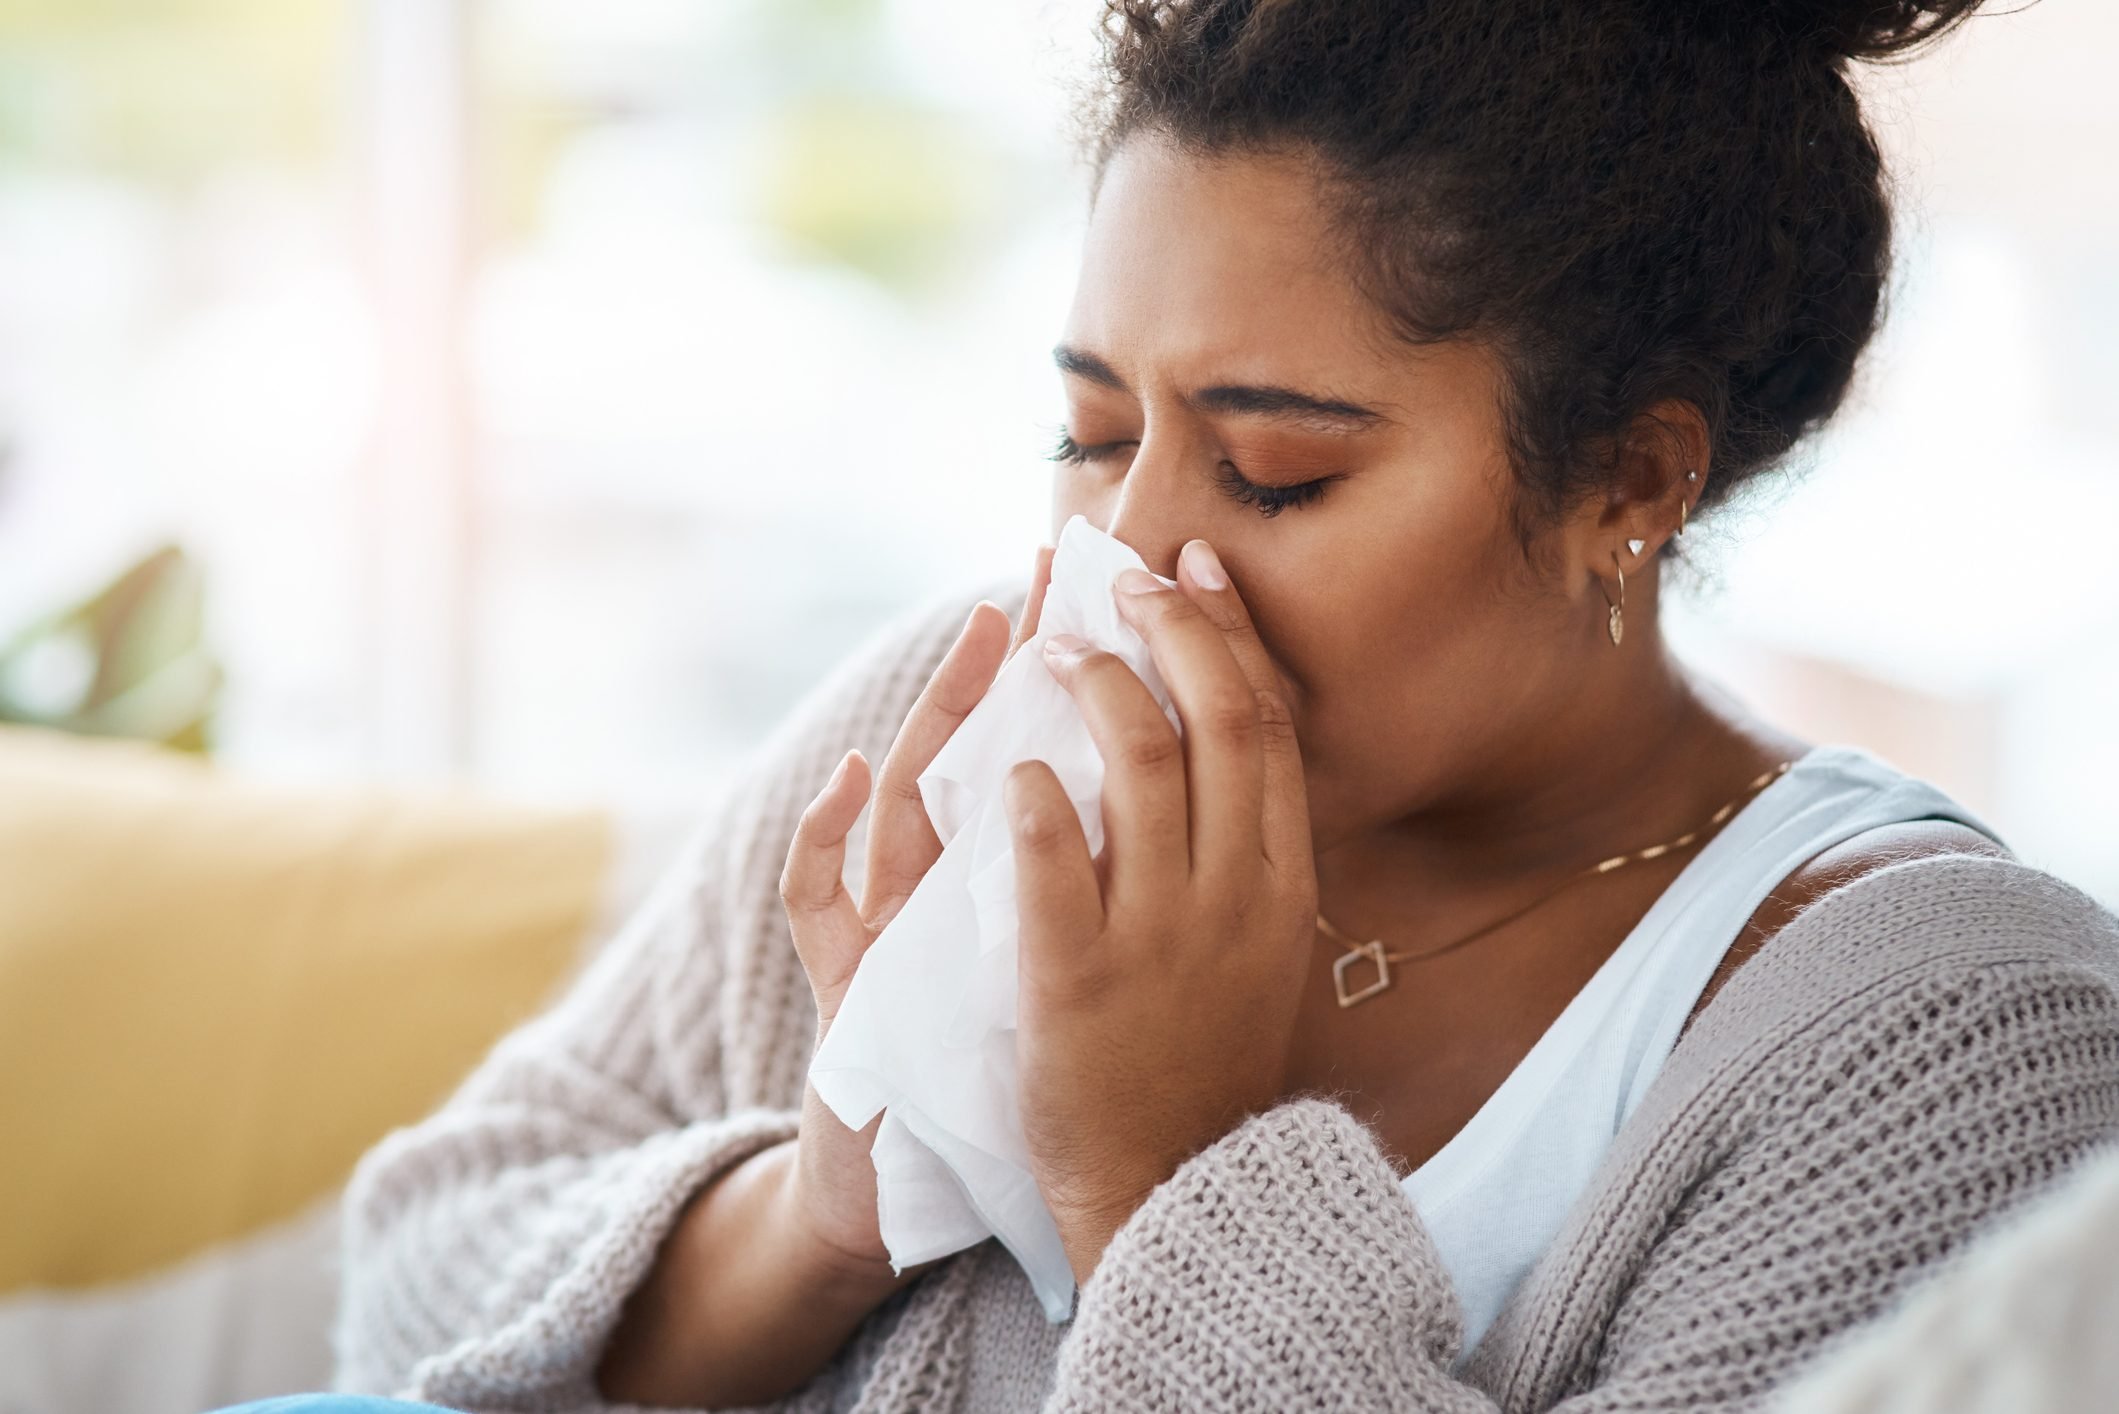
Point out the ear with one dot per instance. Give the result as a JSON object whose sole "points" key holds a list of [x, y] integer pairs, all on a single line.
{"points": [[1660, 471], [1658, 465]]}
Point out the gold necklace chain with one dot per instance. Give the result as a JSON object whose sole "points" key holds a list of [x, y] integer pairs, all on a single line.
{"points": [[1374, 950]]}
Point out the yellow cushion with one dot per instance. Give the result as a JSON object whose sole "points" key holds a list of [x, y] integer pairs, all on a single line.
{"points": [[214, 995]]}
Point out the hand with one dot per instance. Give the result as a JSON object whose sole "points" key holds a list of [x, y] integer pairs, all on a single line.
{"points": [[1159, 982], [834, 1182]]}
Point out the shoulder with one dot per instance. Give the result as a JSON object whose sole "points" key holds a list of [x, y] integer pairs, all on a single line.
{"points": [[1844, 864], [1905, 911], [1954, 1013], [1933, 891], [1929, 1039]]}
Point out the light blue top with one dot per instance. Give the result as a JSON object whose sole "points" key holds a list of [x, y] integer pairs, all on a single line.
{"points": [[1495, 1196]]}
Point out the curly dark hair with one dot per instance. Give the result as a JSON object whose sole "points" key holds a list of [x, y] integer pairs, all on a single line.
{"points": [[1628, 200]]}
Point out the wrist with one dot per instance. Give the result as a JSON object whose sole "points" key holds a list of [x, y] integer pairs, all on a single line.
{"points": [[1089, 1226], [861, 1281], [1089, 1221]]}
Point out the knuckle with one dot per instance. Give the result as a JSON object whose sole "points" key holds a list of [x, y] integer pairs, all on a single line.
{"points": [[1233, 716], [1273, 715], [1088, 664], [803, 887], [1039, 825], [1150, 750], [1088, 985], [897, 786], [954, 712], [941, 697], [1164, 606], [1079, 978]]}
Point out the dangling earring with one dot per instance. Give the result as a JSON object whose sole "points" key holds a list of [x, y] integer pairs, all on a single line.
{"points": [[1616, 624], [1682, 502]]}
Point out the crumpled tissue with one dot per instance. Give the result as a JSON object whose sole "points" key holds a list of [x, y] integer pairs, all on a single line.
{"points": [[926, 1030]]}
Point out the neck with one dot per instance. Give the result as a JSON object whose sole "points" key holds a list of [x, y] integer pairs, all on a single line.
{"points": [[1638, 758]]}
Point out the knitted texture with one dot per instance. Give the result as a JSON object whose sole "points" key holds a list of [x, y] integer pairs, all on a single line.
{"points": [[2023, 1321], [1918, 1051]]}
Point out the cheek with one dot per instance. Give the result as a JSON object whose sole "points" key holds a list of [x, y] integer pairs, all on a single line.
{"points": [[1402, 649], [1340, 638], [1399, 602]]}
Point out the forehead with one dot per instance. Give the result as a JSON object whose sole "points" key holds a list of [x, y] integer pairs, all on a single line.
{"points": [[1218, 265]]}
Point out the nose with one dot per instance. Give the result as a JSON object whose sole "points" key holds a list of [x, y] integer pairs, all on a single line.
{"points": [[1155, 510]]}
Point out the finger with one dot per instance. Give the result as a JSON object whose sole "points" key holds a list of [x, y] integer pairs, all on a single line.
{"points": [[1056, 892], [1224, 773], [902, 844], [1040, 579], [1284, 811], [1146, 838], [828, 932]]}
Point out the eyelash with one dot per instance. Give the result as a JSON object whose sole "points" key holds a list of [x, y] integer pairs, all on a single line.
{"points": [[1269, 501]]}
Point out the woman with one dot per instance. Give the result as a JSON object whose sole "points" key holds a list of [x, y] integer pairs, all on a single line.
{"points": [[1409, 338]]}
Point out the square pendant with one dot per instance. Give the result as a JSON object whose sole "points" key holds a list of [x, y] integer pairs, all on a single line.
{"points": [[1374, 952]]}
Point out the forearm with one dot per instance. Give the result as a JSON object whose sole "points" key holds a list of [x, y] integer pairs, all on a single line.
{"points": [[1293, 1272], [744, 1305]]}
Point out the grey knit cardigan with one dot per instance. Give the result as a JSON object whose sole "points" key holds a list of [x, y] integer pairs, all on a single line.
{"points": [[1917, 1051]]}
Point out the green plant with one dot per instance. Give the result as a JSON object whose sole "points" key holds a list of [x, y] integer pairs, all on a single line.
{"points": [[130, 660]]}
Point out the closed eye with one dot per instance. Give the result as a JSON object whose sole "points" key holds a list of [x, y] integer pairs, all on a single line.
{"points": [[1072, 453], [1268, 501]]}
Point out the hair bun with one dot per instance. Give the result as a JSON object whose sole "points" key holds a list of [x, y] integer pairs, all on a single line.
{"points": [[1869, 29]]}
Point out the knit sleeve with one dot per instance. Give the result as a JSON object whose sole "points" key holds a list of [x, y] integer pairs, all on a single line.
{"points": [[1279, 1268], [2020, 1321], [1802, 1167], [488, 1251]]}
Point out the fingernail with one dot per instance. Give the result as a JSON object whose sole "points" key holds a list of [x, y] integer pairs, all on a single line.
{"points": [[838, 774], [1064, 645], [1205, 565], [1137, 581]]}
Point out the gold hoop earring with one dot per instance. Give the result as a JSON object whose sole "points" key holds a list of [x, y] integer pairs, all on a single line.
{"points": [[1615, 625]]}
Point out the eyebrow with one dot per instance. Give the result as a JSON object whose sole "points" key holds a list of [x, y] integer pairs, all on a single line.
{"points": [[1281, 404]]}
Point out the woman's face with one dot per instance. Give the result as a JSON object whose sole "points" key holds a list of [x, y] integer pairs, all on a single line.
{"points": [[1214, 347]]}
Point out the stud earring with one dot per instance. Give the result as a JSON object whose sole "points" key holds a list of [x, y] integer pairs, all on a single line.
{"points": [[1683, 501], [1615, 625]]}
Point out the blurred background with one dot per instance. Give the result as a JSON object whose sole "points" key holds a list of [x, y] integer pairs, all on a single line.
{"points": [[526, 401], [544, 394]]}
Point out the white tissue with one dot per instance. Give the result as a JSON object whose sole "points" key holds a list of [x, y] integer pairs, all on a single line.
{"points": [[926, 1030]]}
